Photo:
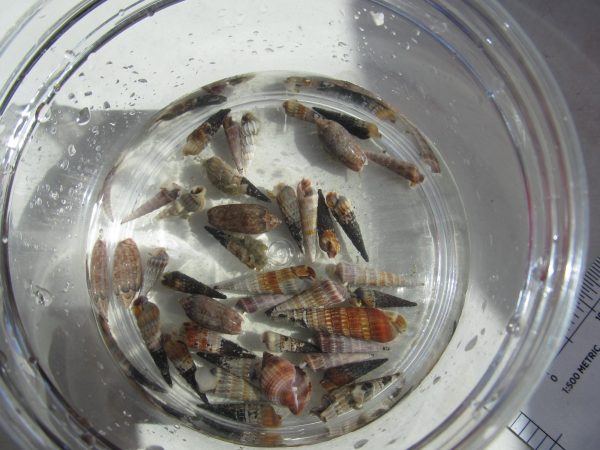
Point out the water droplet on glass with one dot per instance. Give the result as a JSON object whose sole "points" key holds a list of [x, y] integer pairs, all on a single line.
{"points": [[83, 117], [5, 240], [269, 50], [471, 344], [106, 105], [513, 327], [64, 164], [42, 296], [43, 113], [71, 150], [378, 18]]}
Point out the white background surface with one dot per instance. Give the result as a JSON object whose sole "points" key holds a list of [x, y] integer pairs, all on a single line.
{"points": [[568, 36]]}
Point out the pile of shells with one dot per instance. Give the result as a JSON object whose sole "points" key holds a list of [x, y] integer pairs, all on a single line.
{"points": [[352, 323]]}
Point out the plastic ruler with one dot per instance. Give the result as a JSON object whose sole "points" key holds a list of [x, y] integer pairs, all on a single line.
{"points": [[564, 412]]}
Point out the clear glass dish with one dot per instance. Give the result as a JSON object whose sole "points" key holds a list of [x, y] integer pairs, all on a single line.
{"points": [[501, 232]]}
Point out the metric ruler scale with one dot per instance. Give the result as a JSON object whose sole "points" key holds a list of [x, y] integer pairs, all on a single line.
{"points": [[564, 412]]}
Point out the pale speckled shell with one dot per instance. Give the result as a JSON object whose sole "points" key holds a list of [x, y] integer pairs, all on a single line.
{"points": [[322, 294], [335, 343], [155, 265], [98, 274], [366, 276], [233, 388], [276, 342], [288, 204], [260, 302], [164, 197], [319, 361], [127, 271], [245, 367], [353, 396]]}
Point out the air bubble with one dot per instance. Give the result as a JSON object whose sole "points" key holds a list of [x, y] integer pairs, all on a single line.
{"points": [[71, 150], [43, 113], [83, 117], [42, 296], [378, 18]]}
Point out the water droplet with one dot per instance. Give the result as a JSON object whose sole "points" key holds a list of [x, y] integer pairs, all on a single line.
{"points": [[64, 164], [83, 117], [378, 18], [42, 296], [513, 327], [437, 379], [43, 113], [361, 443], [71, 150], [471, 344], [269, 50], [5, 240], [106, 105]]}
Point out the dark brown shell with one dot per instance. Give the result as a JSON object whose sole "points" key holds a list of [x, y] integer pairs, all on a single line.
{"points": [[288, 204], [328, 240], [338, 376], [200, 137], [344, 214], [180, 356], [189, 103], [276, 342], [184, 283], [357, 127], [378, 299], [242, 218], [319, 361], [227, 180]]}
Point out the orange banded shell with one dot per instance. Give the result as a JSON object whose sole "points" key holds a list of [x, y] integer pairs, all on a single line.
{"points": [[284, 384], [361, 323], [260, 302], [207, 341], [290, 280]]}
